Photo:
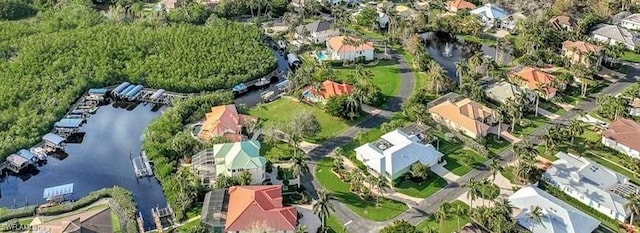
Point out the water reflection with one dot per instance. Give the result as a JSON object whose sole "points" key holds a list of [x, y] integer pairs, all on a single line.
{"points": [[101, 158]]}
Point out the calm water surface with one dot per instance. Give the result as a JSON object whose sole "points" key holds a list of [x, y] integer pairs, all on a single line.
{"points": [[100, 160]]}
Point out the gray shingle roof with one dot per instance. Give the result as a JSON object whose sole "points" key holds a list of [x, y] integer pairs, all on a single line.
{"points": [[318, 26], [617, 33]]}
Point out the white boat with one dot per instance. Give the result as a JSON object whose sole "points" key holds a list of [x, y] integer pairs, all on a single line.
{"points": [[40, 152], [262, 82]]}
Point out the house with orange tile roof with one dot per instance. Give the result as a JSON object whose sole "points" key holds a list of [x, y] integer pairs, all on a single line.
{"points": [[465, 116], [225, 121], [349, 48], [563, 22], [329, 89], [623, 135], [456, 5], [259, 208], [582, 52], [534, 78]]}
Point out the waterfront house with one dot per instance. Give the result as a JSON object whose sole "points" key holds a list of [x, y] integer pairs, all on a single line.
{"points": [[614, 34], [329, 89], [348, 48], [564, 22], [592, 184], [532, 78], [490, 14], [223, 120], [502, 91], [95, 219], [259, 207], [623, 135], [230, 159], [457, 5], [634, 107], [582, 52], [557, 216], [465, 116], [393, 154], [631, 22], [316, 32]]}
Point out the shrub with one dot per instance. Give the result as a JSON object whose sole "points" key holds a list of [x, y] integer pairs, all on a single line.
{"points": [[489, 191], [7, 214], [339, 106]]}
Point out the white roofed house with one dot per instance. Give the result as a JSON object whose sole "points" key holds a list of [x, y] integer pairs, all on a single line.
{"points": [[490, 14], [509, 22], [557, 216], [592, 184], [393, 154]]}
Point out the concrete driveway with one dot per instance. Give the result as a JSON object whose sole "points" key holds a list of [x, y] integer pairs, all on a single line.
{"points": [[308, 219]]}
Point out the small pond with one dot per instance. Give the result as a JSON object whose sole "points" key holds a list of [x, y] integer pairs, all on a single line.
{"points": [[100, 160], [447, 50]]}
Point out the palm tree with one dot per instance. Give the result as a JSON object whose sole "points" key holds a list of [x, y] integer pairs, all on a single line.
{"points": [[549, 140], [472, 194], [525, 150], [438, 76], [575, 128], [441, 215], [540, 90], [514, 111], [299, 167], [459, 211], [494, 168], [462, 71], [380, 183], [323, 206], [535, 216], [633, 205], [363, 74]]}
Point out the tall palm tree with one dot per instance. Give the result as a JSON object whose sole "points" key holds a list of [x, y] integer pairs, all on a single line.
{"points": [[438, 75], [513, 110], [462, 71], [299, 167], [494, 168], [441, 215], [380, 183], [633, 205], [539, 91], [363, 74], [575, 128], [322, 207], [535, 216], [472, 193], [526, 150], [549, 140], [459, 211]]}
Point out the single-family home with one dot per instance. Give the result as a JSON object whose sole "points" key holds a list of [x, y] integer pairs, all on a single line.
{"points": [[230, 159], [248, 209], [329, 89], [406, 13], [563, 22], [631, 22], [456, 5], [533, 78], [634, 107], [490, 14], [502, 91], [623, 135], [614, 34], [556, 215], [171, 4], [316, 32], [465, 116], [393, 154], [582, 52], [95, 219], [223, 120], [592, 184], [347, 48], [509, 22]]}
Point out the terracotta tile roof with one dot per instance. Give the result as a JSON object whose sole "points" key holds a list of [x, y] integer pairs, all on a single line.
{"points": [[223, 120], [461, 4], [251, 206], [564, 20], [635, 103], [581, 46], [331, 88], [466, 113], [625, 132], [531, 77], [337, 45]]}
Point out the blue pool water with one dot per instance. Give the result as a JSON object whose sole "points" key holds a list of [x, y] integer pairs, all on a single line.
{"points": [[321, 56], [306, 94]]}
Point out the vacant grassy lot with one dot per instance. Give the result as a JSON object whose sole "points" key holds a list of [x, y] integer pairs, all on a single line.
{"points": [[423, 189], [385, 75], [284, 109]]}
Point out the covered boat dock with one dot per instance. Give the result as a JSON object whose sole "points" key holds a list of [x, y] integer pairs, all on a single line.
{"points": [[68, 126], [57, 193], [97, 94], [15, 163], [54, 141]]}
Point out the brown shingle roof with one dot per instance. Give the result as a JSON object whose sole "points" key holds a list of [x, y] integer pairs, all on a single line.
{"points": [[563, 20], [625, 132]]}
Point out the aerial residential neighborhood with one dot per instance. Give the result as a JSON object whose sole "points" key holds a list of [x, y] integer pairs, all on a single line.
{"points": [[320, 116]]}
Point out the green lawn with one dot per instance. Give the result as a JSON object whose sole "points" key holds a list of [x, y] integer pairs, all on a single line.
{"points": [[508, 174], [284, 109], [551, 107], [387, 210], [496, 145], [481, 39], [424, 189], [280, 151], [452, 223], [190, 226], [385, 75], [369, 136], [456, 166], [631, 57], [334, 225], [115, 222], [420, 79], [536, 122]]}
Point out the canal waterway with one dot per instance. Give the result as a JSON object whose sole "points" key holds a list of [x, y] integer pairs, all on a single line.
{"points": [[100, 160]]}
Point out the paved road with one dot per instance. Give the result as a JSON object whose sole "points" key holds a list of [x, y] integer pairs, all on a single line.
{"points": [[341, 211]]}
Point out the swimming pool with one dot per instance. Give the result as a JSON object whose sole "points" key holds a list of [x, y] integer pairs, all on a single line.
{"points": [[306, 94], [321, 56]]}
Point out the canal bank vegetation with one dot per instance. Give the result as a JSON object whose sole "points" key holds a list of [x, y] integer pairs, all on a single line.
{"points": [[165, 144], [50, 59]]}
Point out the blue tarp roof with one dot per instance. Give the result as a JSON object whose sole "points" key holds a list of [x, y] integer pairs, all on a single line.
{"points": [[59, 190], [53, 138], [69, 123], [100, 91], [26, 154]]}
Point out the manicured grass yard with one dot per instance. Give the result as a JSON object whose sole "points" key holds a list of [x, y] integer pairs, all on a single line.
{"points": [[334, 225], [280, 151], [388, 209], [631, 57], [284, 109], [385, 75], [551, 107], [424, 189], [496, 145], [536, 122], [458, 167], [452, 223], [369, 136]]}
